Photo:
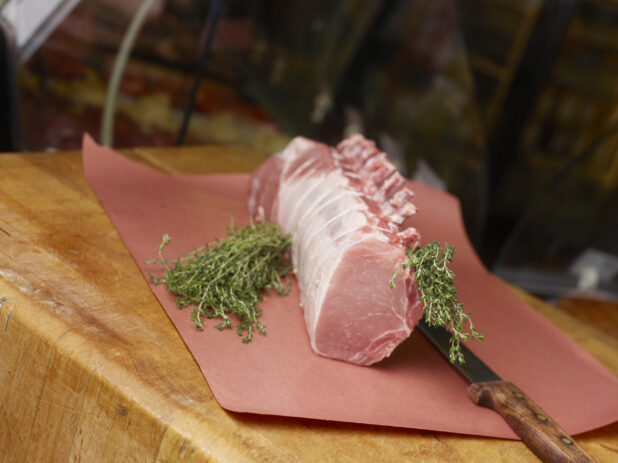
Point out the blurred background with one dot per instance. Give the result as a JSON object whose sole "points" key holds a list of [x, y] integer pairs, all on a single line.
{"points": [[511, 105]]}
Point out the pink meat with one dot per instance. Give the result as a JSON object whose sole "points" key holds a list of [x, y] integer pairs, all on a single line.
{"points": [[344, 208]]}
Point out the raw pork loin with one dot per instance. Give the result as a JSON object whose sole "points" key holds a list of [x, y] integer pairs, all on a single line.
{"points": [[344, 208]]}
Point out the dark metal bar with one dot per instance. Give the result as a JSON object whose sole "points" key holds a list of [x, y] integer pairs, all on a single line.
{"points": [[9, 91]]}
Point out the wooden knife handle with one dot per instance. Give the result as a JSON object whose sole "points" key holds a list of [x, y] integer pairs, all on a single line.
{"points": [[538, 431]]}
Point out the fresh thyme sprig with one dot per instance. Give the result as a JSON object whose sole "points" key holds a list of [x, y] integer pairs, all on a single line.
{"points": [[438, 294], [228, 276]]}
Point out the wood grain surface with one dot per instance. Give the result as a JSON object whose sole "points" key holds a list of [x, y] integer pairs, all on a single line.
{"points": [[91, 368]]}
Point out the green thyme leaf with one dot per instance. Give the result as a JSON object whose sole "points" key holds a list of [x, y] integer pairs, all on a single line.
{"points": [[228, 276], [438, 293]]}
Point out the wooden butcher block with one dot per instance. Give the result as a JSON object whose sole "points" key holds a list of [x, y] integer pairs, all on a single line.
{"points": [[92, 369]]}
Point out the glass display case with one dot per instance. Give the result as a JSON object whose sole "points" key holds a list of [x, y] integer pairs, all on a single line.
{"points": [[434, 83]]}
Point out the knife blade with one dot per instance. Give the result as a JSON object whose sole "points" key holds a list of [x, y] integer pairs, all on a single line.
{"points": [[539, 432]]}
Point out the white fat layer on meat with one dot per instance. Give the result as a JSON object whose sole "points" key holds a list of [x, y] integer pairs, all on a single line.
{"points": [[305, 191], [322, 230]]}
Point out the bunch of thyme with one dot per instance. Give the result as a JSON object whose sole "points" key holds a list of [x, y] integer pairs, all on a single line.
{"points": [[438, 293], [228, 276]]}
